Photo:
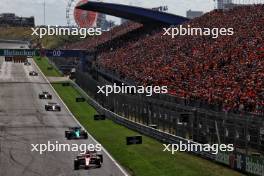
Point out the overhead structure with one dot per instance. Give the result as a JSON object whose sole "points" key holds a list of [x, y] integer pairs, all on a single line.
{"points": [[137, 14], [80, 18]]}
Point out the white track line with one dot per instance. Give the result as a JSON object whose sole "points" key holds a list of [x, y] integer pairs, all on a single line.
{"points": [[111, 158]]}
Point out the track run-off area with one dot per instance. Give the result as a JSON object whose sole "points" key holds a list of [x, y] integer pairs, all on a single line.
{"points": [[24, 121]]}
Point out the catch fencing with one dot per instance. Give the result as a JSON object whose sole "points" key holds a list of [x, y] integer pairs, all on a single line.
{"points": [[170, 123]]}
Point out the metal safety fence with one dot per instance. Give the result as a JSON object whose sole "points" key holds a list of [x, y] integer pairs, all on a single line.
{"points": [[172, 123]]}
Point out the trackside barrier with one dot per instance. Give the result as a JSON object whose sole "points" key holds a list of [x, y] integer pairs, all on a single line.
{"points": [[241, 162], [143, 129], [54, 66]]}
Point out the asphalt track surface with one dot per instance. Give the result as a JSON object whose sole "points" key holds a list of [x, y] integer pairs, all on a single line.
{"points": [[24, 121]]}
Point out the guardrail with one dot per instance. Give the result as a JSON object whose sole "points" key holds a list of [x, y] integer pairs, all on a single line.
{"points": [[164, 137], [238, 161]]}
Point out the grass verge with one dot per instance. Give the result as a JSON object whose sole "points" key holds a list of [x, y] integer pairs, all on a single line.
{"points": [[46, 67], [147, 159]]}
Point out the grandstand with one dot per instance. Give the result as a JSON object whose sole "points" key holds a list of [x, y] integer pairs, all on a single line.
{"points": [[216, 86], [199, 67], [211, 74]]}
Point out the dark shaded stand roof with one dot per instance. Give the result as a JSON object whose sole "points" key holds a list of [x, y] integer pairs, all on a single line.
{"points": [[137, 14]]}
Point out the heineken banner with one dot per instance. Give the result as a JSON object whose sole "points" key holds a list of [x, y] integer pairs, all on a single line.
{"points": [[241, 162], [48, 53], [18, 52]]}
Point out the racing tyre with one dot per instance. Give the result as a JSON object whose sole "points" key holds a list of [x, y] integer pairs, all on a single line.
{"points": [[76, 165], [101, 158], [98, 163], [85, 135], [66, 135]]}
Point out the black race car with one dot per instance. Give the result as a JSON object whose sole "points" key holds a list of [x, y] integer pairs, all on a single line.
{"points": [[45, 95], [33, 73], [52, 107], [91, 159], [27, 63], [76, 133], [8, 58]]}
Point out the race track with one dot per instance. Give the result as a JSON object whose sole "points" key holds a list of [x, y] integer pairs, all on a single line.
{"points": [[24, 121]]}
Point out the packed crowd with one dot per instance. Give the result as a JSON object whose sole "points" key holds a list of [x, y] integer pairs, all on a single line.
{"points": [[228, 71], [95, 41]]}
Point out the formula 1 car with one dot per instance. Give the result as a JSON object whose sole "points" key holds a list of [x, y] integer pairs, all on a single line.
{"points": [[91, 159], [76, 133], [27, 63], [52, 107], [8, 58], [45, 95], [33, 73]]}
